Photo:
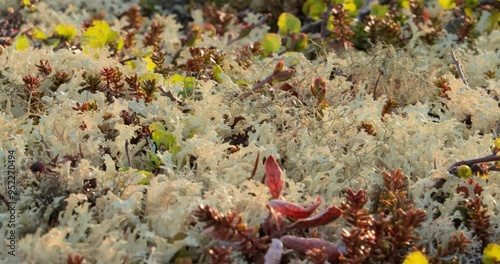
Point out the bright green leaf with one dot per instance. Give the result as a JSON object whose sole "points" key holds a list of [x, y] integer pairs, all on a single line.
{"points": [[120, 44], [156, 160], [150, 65], [447, 4], [96, 36], [314, 8], [176, 78], [38, 34], [288, 23], [66, 31], [150, 76], [468, 11], [379, 11], [112, 36], [217, 71], [271, 42], [22, 43], [350, 6], [161, 137], [146, 177], [188, 82], [404, 3]]}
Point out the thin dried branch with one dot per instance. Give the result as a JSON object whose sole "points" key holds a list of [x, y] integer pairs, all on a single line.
{"points": [[459, 68]]}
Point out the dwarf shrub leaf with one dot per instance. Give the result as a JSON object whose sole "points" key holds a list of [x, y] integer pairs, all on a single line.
{"points": [[314, 8], [288, 23], [22, 43], [447, 4], [38, 34], [66, 31], [271, 42], [98, 34], [217, 71], [146, 177], [161, 136], [379, 10], [404, 3]]}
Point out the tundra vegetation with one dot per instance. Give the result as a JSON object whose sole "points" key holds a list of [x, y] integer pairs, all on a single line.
{"points": [[303, 131]]}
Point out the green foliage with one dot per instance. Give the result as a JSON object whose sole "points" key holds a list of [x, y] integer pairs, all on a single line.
{"points": [[447, 4], [217, 70], [314, 8], [99, 34], [288, 23], [163, 138], [379, 10], [146, 175], [38, 34], [66, 31], [189, 84], [22, 43], [271, 42]]}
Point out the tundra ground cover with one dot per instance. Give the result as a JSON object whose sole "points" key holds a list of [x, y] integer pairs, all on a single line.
{"points": [[133, 131]]}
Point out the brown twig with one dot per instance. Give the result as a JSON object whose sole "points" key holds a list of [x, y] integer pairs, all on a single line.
{"points": [[170, 95], [128, 59], [488, 158], [245, 31], [380, 73]]}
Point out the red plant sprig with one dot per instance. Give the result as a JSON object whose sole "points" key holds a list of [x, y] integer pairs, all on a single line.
{"points": [[273, 177], [134, 18], [114, 85], [44, 68], [479, 219], [353, 211], [230, 228], [153, 36]]}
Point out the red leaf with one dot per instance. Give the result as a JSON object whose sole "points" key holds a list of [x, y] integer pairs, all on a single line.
{"points": [[273, 177], [320, 219], [301, 245], [294, 210]]}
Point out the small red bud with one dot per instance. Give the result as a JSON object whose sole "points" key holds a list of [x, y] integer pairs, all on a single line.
{"points": [[318, 88], [279, 67]]}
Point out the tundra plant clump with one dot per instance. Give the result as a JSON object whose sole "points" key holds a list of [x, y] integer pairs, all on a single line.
{"points": [[311, 131]]}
